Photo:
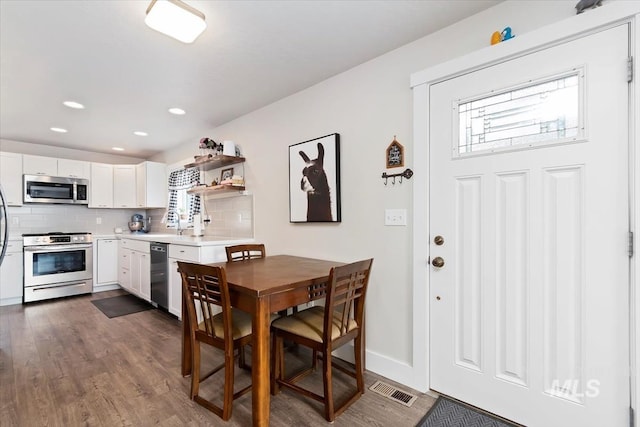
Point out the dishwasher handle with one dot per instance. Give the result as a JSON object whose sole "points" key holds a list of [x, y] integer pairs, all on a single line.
{"points": [[159, 248]]}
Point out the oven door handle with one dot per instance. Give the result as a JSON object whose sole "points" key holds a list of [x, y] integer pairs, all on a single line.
{"points": [[55, 248]]}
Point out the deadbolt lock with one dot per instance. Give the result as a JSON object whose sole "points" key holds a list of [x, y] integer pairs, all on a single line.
{"points": [[438, 240], [438, 262]]}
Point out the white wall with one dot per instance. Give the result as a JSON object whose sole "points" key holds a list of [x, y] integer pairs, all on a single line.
{"points": [[367, 106]]}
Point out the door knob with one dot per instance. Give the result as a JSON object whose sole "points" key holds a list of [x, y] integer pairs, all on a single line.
{"points": [[437, 262], [438, 240]]}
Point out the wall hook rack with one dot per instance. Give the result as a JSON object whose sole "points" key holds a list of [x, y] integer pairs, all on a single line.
{"points": [[408, 173]]}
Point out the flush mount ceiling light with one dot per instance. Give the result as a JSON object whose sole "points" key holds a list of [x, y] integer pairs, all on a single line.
{"points": [[140, 133], [59, 130], [117, 148], [175, 19], [177, 111], [73, 104]]}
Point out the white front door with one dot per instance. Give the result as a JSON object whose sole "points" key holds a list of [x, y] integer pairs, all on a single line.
{"points": [[529, 314]]}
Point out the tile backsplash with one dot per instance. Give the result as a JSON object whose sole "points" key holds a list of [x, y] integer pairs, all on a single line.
{"points": [[66, 218], [230, 217]]}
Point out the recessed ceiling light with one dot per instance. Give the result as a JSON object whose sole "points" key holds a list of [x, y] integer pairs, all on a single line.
{"points": [[140, 133], [117, 149], [73, 104], [59, 130], [177, 111]]}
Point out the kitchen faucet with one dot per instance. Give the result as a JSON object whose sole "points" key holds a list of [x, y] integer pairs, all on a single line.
{"points": [[179, 229]]}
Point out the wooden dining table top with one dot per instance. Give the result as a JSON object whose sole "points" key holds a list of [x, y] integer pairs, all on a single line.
{"points": [[274, 274]]}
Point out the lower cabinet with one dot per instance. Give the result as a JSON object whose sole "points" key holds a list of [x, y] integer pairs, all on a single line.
{"points": [[134, 269], [196, 254], [11, 285], [105, 264]]}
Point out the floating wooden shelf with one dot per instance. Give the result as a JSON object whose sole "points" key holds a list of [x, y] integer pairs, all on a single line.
{"points": [[214, 162], [226, 190]]}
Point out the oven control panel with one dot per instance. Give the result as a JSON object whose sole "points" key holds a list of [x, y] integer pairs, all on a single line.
{"points": [[56, 239]]}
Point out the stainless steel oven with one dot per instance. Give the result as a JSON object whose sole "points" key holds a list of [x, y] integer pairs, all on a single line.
{"points": [[57, 265]]}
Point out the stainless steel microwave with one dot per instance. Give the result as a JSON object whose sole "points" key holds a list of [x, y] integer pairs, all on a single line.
{"points": [[55, 189]]}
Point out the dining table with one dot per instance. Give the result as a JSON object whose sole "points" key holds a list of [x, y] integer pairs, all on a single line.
{"points": [[261, 287]]}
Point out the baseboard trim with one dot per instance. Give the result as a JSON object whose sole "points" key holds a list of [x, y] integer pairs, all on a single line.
{"points": [[395, 370], [103, 288]]}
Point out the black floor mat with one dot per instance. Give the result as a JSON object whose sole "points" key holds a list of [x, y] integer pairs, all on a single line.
{"points": [[450, 413], [121, 305]]}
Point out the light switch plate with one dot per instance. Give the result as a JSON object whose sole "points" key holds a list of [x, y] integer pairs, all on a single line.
{"points": [[395, 217]]}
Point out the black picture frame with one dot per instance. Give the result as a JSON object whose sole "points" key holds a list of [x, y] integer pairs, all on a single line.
{"points": [[311, 197]]}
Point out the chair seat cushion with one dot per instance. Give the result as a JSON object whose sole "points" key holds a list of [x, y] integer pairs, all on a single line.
{"points": [[309, 324], [241, 321]]}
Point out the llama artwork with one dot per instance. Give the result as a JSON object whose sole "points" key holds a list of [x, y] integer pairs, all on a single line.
{"points": [[314, 183]]}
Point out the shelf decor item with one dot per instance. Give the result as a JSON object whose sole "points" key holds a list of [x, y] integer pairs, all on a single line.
{"points": [[226, 175], [314, 180]]}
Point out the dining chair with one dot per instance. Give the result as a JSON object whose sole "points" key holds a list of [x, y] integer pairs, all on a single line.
{"points": [[324, 329], [206, 292], [245, 252]]}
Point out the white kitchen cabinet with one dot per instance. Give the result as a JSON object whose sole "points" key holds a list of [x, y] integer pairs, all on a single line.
{"points": [[105, 263], [197, 254], [124, 266], [51, 166], [74, 168], [11, 177], [134, 271], [124, 188], [101, 183], [11, 273], [151, 185], [39, 165]]}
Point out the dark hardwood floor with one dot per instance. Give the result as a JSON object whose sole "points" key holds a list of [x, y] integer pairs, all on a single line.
{"points": [[64, 363]]}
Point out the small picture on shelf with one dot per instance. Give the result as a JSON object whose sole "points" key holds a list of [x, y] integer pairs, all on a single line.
{"points": [[226, 174]]}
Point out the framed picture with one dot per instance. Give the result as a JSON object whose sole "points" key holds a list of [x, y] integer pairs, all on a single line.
{"points": [[226, 174], [314, 180]]}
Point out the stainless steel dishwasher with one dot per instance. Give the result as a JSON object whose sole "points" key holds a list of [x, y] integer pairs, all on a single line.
{"points": [[159, 275]]}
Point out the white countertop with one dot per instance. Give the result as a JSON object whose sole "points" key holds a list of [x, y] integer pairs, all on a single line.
{"points": [[185, 239]]}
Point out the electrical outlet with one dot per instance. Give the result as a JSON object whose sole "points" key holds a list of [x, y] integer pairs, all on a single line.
{"points": [[395, 217], [98, 220]]}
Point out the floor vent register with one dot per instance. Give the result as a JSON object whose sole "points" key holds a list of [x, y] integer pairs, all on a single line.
{"points": [[393, 393]]}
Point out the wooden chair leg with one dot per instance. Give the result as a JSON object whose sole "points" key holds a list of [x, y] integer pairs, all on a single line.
{"points": [[328, 388], [274, 364], [359, 356], [228, 385], [195, 368]]}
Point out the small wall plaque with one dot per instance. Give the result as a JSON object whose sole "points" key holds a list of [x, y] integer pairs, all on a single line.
{"points": [[395, 154]]}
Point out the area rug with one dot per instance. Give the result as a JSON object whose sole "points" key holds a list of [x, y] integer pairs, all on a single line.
{"points": [[449, 413], [121, 305]]}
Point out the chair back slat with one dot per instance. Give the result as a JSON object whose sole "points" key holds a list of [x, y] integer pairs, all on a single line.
{"points": [[245, 252], [206, 290], [345, 297]]}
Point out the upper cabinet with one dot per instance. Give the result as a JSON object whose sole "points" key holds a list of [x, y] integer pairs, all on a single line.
{"points": [[151, 185], [40, 165], [101, 183], [124, 188], [74, 168], [11, 177]]}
